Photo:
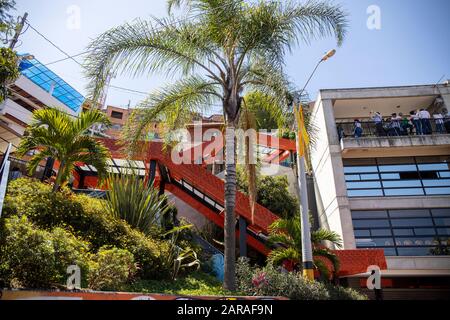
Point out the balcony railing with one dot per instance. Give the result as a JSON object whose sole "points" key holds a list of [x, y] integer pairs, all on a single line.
{"points": [[392, 129]]}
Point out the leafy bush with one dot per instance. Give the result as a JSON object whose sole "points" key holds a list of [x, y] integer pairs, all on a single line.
{"points": [[35, 258], [341, 293], [272, 193], [195, 284], [132, 199], [111, 269], [87, 219], [269, 281], [9, 70]]}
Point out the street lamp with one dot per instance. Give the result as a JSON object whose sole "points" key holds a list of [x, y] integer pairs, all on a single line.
{"points": [[307, 257]]}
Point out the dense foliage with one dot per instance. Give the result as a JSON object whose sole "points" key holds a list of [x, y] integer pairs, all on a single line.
{"points": [[286, 236], [196, 284], [6, 18], [9, 71], [82, 226], [269, 281], [272, 193], [130, 198], [54, 133]]}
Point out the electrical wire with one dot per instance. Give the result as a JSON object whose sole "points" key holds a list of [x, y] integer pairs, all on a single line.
{"points": [[72, 57]]}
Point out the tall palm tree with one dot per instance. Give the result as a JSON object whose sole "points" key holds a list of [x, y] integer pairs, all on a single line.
{"points": [[221, 49], [286, 233], [55, 134]]}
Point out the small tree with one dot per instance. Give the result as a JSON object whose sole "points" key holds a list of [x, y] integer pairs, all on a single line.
{"points": [[286, 233], [230, 48], [55, 134], [9, 71]]}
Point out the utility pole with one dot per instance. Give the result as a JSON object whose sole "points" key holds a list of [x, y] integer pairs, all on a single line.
{"points": [[307, 256], [19, 29]]}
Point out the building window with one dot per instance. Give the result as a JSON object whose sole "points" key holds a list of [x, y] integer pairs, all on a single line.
{"points": [[117, 115], [390, 177], [411, 232]]}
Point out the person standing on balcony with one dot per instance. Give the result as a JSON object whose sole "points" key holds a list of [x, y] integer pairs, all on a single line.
{"points": [[405, 124], [377, 118], [439, 121], [425, 117], [415, 119], [358, 131], [395, 128], [446, 115]]}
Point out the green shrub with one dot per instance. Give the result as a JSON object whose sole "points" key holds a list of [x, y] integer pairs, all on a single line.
{"points": [[132, 199], [111, 269], [341, 293], [269, 281], [35, 258], [87, 218], [149, 254], [272, 193], [196, 283]]}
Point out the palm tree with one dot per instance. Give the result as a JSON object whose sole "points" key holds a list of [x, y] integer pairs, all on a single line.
{"points": [[221, 49], [55, 134], [286, 234]]}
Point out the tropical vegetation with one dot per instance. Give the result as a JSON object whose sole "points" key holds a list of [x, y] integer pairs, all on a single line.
{"points": [[9, 71], [272, 192], [272, 281], [285, 234], [58, 135], [6, 18], [134, 200], [43, 232], [225, 49]]}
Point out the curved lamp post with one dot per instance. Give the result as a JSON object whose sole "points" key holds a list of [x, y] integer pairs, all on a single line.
{"points": [[307, 257]]}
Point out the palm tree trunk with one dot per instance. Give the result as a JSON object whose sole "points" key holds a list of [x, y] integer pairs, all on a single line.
{"points": [[61, 169], [230, 203]]}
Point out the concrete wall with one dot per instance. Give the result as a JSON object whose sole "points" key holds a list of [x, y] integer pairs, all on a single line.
{"points": [[187, 212], [332, 201], [385, 203], [42, 95], [419, 263], [397, 142]]}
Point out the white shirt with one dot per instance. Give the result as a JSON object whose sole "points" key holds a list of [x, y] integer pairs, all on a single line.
{"points": [[438, 118], [377, 118], [424, 114]]}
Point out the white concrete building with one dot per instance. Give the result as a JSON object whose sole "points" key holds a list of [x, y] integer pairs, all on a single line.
{"points": [[387, 189], [37, 87]]}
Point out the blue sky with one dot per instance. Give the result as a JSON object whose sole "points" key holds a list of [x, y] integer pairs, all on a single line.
{"points": [[411, 47]]}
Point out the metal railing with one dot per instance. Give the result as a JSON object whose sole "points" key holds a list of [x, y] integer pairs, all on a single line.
{"points": [[388, 128]]}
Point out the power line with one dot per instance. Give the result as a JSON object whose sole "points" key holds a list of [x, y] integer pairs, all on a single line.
{"points": [[72, 57], [67, 58]]}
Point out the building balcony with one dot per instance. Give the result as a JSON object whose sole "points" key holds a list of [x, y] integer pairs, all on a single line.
{"points": [[398, 142], [15, 115]]}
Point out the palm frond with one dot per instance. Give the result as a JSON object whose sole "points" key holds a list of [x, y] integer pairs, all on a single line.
{"points": [[328, 255], [146, 47], [321, 235], [279, 255], [176, 105], [322, 267]]}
